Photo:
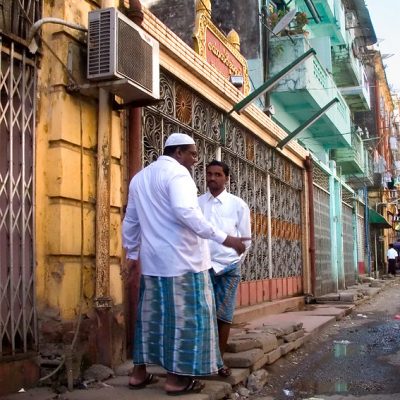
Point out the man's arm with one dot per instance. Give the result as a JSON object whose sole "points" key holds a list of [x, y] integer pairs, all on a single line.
{"points": [[244, 224], [131, 230], [185, 206]]}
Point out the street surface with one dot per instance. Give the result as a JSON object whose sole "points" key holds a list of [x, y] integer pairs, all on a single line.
{"points": [[358, 356]]}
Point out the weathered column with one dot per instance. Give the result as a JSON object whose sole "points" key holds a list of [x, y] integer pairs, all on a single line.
{"points": [[103, 300]]}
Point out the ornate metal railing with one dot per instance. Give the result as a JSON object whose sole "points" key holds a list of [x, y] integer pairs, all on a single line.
{"points": [[259, 175]]}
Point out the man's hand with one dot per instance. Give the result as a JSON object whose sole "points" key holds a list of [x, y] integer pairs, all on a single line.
{"points": [[236, 243]]}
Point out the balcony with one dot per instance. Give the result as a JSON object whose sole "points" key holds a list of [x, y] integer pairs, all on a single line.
{"points": [[367, 178], [351, 78], [332, 19], [305, 91], [351, 160]]}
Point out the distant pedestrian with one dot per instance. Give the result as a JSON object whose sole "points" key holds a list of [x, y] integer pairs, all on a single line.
{"points": [[392, 257]]}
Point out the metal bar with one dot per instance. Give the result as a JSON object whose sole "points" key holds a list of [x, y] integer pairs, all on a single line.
{"points": [[270, 83], [2, 290], [313, 11], [269, 233], [308, 123], [23, 206], [10, 199], [33, 194]]}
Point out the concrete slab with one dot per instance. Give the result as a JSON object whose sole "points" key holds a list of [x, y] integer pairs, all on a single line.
{"points": [[279, 329], [243, 359], [238, 375], [243, 315], [311, 323], [262, 340], [273, 355], [293, 336], [326, 310]]}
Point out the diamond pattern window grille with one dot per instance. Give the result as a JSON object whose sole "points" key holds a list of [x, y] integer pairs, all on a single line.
{"points": [[18, 332], [17, 16]]}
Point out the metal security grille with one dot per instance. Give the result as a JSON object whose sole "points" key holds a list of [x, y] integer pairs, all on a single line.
{"points": [[16, 17], [286, 233], [347, 197], [258, 173], [361, 238], [323, 259], [17, 113], [320, 178], [348, 245]]}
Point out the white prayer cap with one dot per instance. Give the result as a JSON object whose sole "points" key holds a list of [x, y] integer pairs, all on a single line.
{"points": [[176, 139]]}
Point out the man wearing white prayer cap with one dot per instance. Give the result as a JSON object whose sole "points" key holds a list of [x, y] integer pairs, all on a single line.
{"points": [[176, 326]]}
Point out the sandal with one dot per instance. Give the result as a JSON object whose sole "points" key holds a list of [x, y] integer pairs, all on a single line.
{"points": [[224, 371], [149, 379], [193, 386]]}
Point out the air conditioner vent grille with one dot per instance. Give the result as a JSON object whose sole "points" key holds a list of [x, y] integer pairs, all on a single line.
{"points": [[100, 48], [122, 55], [130, 43]]}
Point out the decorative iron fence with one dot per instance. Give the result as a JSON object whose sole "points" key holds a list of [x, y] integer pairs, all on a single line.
{"points": [[322, 227], [259, 174], [348, 245]]}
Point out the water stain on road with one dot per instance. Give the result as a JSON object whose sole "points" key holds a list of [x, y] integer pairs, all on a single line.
{"points": [[363, 360]]}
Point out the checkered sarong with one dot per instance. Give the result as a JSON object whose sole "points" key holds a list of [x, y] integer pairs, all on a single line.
{"points": [[176, 325], [225, 289]]}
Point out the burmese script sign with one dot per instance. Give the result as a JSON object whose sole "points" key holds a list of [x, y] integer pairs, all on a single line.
{"points": [[218, 55], [211, 44]]}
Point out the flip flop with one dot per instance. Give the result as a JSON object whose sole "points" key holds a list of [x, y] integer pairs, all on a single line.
{"points": [[193, 386], [149, 379], [224, 371]]}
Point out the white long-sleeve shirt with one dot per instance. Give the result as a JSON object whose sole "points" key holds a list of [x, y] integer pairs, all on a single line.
{"points": [[232, 215], [392, 254], [163, 223]]}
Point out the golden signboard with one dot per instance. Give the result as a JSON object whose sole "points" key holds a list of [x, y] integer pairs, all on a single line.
{"points": [[220, 51]]}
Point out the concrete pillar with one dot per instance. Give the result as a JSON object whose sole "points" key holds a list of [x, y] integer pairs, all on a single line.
{"points": [[333, 220]]}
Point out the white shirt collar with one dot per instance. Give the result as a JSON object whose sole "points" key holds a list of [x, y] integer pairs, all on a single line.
{"points": [[222, 197]]}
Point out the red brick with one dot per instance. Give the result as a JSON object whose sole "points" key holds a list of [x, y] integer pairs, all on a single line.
{"points": [[260, 296], [266, 289], [244, 294], [253, 292]]}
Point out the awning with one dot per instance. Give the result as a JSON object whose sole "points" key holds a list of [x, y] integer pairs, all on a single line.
{"points": [[377, 219]]}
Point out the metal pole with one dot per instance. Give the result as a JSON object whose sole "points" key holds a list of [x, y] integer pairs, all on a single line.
{"points": [[307, 123]]}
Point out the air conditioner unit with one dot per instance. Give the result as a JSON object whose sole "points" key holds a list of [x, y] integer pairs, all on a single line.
{"points": [[124, 55]]}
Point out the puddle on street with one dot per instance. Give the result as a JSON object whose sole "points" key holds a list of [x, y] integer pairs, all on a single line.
{"points": [[340, 351]]}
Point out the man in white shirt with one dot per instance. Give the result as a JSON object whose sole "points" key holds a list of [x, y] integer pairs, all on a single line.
{"points": [[231, 214], [392, 257], [176, 324]]}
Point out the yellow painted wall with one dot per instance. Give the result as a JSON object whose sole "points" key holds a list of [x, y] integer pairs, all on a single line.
{"points": [[65, 187], [66, 162]]}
